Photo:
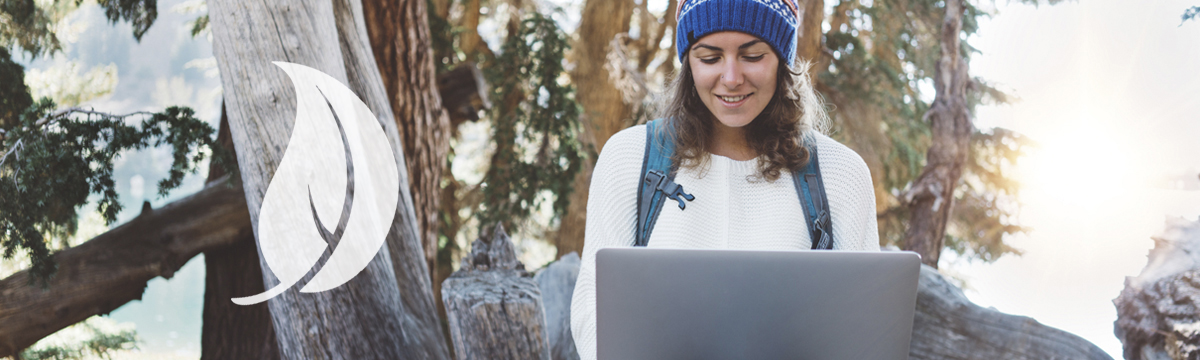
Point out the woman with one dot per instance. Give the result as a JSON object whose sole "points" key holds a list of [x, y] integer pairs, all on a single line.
{"points": [[741, 117]]}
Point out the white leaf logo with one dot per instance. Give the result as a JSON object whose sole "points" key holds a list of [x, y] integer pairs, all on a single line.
{"points": [[309, 188]]}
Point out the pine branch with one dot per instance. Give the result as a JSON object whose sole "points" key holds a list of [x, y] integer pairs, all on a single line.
{"points": [[59, 158]]}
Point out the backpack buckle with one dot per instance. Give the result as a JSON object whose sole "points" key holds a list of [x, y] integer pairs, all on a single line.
{"points": [[659, 181]]}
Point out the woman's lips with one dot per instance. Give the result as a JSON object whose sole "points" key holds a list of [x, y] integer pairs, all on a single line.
{"points": [[733, 101]]}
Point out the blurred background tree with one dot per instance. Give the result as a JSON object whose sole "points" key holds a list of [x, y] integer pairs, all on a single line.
{"points": [[873, 61]]}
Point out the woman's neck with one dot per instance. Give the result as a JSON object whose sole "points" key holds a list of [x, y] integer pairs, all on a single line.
{"points": [[731, 142]]}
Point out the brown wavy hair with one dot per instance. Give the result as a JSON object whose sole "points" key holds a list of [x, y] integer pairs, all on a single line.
{"points": [[776, 134]]}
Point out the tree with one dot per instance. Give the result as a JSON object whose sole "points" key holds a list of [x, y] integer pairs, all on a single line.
{"points": [[930, 197], [228, 330], [874, 59], [384, 312], [605, 112], [869, 60], [406, 65]]}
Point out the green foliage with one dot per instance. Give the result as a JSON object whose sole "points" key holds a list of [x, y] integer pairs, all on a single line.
{"points": [[100, 345], [984, 203], [53, 161], [140, 13], [441, 39], [535, 125], [24, 25], [881, 57], [199, 25], [14, 95]]}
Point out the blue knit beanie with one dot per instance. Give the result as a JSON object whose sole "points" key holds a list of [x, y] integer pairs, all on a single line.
{"points": [[774, 21]]}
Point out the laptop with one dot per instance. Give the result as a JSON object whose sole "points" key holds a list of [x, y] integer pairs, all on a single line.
{"points": [[733, 304]]}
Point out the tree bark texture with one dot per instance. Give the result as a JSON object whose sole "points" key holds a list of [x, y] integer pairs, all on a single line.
{"points": [[493, 306], [1158, 312], [931, 194], [232, 331], [112, 269], [604, 112], [367, 316], [421, 322], [399, 35]]}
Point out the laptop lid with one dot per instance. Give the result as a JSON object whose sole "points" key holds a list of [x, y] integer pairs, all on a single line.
{"points": [[733, 304]]}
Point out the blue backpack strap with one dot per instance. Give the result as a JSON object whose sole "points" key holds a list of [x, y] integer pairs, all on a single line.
{"points": [[657, 181], [811, 189]]}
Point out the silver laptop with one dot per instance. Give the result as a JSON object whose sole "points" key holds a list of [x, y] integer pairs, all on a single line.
{"points": [[727, 304]]}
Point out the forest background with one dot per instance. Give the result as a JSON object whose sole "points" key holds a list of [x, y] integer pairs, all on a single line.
{"points": [[1105, 91]]}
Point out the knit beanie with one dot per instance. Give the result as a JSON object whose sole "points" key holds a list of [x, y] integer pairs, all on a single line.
{"points": [[773, 21]]}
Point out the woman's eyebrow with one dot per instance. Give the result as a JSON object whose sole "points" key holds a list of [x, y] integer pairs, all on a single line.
{"points": [[741, 47], [749, 44]]}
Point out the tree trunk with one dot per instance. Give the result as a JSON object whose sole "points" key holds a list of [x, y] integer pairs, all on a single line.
{"points": [[232, 331], [421, 322], [931, 195], [808, 44], [112, 269], [378, 313], [399, 36], [493, 306], [604, 112]]}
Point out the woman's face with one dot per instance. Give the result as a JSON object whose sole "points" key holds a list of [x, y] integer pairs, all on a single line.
{"points": [[734, 74]]}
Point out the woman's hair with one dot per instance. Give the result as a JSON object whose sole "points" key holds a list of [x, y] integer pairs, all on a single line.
{"points": [[776, 134]]}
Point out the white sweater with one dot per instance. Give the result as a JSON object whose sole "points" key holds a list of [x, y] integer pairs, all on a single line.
{"points": [[732, 210]]}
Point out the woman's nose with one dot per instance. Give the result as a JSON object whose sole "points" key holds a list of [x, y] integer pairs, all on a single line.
{"points": [[731, 76]]}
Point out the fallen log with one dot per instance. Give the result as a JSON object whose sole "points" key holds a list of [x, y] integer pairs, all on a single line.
{"points": [[112, 269], [948, 326], [493, 306]]}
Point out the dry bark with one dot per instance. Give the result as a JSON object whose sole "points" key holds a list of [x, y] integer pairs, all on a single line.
{"points": [[493, 306], [399, 36], [931, 194], [112, 269], [421, 324], [1158, 312], [604, 112], [231, 331], [378, 313]]}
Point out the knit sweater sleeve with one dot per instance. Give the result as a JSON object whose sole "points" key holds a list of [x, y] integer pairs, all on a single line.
{"points": [[611, 220], [851, 196]]}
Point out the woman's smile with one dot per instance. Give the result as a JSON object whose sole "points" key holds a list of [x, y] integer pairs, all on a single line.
{"points": [[734, 100], [735, 75]]}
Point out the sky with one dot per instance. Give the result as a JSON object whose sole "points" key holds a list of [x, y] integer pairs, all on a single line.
{"points": [[1109, 89]]}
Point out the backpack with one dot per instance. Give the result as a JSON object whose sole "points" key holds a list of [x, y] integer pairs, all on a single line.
{"points": [[658, 184]]}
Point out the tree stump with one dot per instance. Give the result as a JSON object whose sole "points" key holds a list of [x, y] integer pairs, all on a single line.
{"points": [[493, 306], [1158, 312]]}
